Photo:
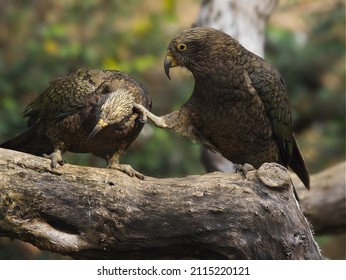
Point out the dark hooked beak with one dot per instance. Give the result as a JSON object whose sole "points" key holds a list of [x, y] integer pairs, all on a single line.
{"points": [[98, 127], [169, 62]]}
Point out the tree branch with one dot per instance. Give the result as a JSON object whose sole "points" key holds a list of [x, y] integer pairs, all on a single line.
{"points": [[325, 204], [97, 213]]}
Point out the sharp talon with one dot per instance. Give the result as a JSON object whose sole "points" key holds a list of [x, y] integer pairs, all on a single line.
{"points": [[53, 164], [141, 111], [244, 169], [142, 118], [55, 158], [62, 162], [127, 169]]}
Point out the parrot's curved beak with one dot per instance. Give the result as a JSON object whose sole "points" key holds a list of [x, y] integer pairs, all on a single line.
{"points": [[169, 62], [98, 127]]}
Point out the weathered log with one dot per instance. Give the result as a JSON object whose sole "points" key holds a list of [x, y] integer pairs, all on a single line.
{"points": [[95, 213]]}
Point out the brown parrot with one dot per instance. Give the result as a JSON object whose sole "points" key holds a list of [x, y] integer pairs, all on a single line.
{"points": [[239, 105], [87, 111]]}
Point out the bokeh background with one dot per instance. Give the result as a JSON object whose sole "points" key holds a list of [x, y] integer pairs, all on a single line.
{"points": [[42, 40]]}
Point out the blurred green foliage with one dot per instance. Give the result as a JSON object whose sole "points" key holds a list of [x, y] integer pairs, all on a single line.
{"points": [[42, 40]]}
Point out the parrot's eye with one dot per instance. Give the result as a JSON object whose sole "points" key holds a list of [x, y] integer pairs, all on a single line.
{"points": [[181, 47]]}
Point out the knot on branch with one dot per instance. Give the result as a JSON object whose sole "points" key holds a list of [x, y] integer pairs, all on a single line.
{"points": [[274, 175]]}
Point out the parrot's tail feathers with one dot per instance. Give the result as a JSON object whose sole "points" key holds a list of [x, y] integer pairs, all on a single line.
{"points": [[29, 141], [298, 165]]}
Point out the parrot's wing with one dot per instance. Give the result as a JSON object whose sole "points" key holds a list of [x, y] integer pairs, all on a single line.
{"points": [[64, 96], [271, 90]]}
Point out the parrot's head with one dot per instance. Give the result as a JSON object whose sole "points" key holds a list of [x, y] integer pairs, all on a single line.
{"points": [[199, 49], [112, 108]]}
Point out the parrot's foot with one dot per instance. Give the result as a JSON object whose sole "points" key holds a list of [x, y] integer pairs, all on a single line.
{"points": [[56, 158], [142, 111], [146, 114], [142, 116], [245, 168], [127, 169]]}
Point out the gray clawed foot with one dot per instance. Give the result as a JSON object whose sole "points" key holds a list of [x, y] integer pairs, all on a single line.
{"points": [[127, 169], [244, 168], [143, 118], [55, 158], [146, 114], [141, 111]]}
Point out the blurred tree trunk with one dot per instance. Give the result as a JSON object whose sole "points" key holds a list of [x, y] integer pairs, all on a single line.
{"points": [[244, 20]]}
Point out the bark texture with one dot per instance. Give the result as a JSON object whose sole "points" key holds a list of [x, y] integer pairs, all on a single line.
{"points": [[94, 213]]}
